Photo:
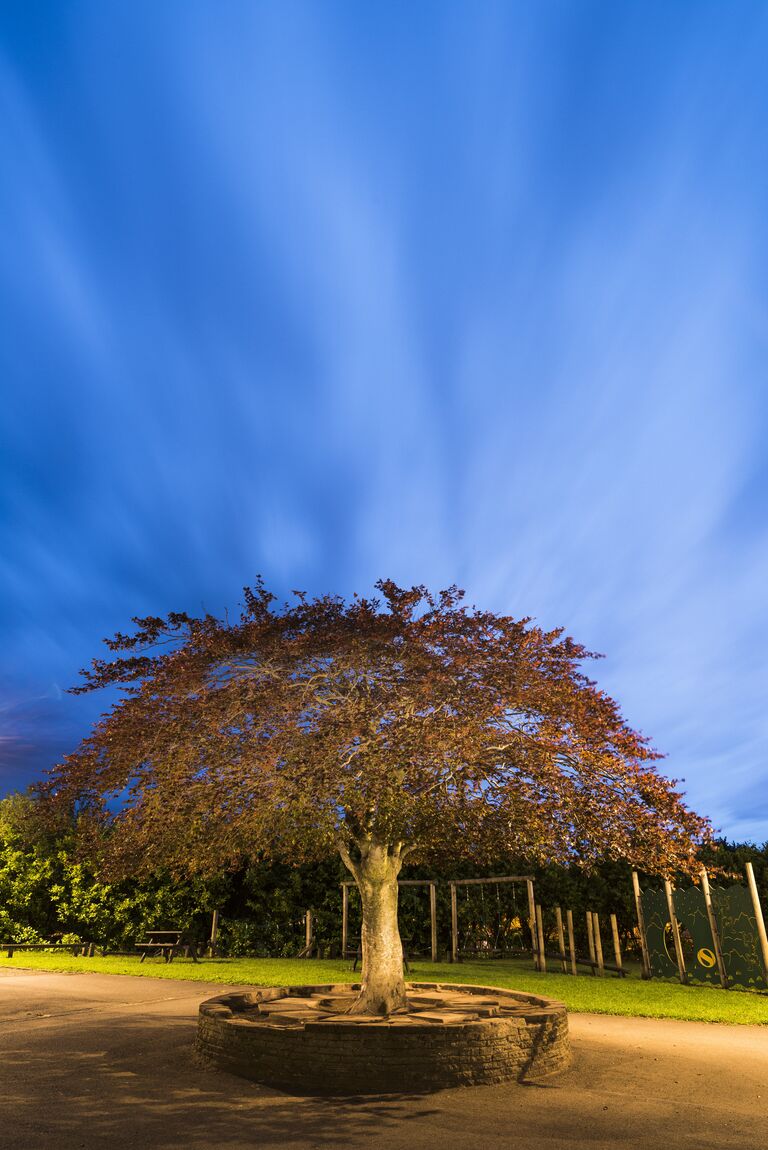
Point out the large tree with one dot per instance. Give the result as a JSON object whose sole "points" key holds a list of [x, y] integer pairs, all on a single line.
{"points": [[402, 726]]}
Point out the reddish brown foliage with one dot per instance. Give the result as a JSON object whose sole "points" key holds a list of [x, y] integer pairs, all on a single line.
{"points": [[410, 720]]}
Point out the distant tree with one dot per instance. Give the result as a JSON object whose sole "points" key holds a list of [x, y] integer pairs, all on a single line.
{"points": [[728, 861], [405, 726], [47, 889]]}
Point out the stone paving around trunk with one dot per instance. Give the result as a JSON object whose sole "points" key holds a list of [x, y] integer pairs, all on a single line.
{"points": [[439, 1004]]}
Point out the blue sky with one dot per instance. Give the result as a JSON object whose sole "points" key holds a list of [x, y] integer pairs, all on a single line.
{"points": [[446, 292]]}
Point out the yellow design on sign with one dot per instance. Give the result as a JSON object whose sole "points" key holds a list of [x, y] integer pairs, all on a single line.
{"points": [[705, 957]]}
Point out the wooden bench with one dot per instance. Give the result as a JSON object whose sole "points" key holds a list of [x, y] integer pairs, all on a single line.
{"points": [[165, 943], [75, 948]]}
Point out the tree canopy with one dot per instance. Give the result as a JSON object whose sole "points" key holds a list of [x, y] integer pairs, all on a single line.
{"points": [[408, 719]]}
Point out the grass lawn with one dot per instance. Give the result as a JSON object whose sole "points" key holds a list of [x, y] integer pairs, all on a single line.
{"points": [[629, 996]]}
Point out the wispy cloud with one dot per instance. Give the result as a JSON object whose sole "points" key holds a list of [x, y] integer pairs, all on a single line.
{"points": [[291, 292]]}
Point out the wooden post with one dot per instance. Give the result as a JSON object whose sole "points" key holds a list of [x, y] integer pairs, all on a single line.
{"points": [[591, 940], [561, 938], [344, 918], [675, 931], [713, 928], [571, 941], [454, 925], [532, 924], [540, 933], [433, 919], [308, 931], [641, 925], [598, 944], [758, 916], [214, 933], [616, 944]]}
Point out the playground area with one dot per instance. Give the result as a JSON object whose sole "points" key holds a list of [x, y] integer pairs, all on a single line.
{"points": [[102, 1061], [99, 1047], [697, 936]]}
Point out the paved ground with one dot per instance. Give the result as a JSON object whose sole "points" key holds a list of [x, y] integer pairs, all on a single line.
{"points": [[102, 1061]]}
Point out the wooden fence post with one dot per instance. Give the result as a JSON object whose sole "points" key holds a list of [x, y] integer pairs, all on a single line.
{"points": [[214, 933], [675, 931], [616, 944], [540, 932], [344, 919], [454, 925], [308, 931], [433, 919], [713, 928], [598, 944], [532, 924], [571, 941], [641, 926], [758, 916], [591, 941], [561, 939]]}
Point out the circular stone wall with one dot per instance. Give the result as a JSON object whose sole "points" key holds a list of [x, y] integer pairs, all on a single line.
{"points": [[301, 1038]]}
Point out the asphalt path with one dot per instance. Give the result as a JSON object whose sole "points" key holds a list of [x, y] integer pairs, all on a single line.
{"points": [[107, 1061]]}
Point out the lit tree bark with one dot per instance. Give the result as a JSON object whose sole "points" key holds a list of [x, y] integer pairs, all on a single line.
{"points": [[382, 986]]}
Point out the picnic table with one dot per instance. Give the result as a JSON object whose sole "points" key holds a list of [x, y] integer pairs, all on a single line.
{"points": [[166, 944]]}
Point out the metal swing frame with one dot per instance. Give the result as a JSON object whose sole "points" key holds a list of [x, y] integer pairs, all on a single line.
{"points": [[453, 884], [498, 879]]}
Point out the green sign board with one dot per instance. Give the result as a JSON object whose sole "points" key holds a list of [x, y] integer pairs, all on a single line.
{"points": [[696, 935], [736, 925], [658, 931], [738, 936]]}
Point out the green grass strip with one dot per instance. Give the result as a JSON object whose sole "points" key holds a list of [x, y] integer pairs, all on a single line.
{"points": [[630, 997]]}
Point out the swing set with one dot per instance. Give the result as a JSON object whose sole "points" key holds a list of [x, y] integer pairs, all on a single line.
{"points": [[491, 930]]}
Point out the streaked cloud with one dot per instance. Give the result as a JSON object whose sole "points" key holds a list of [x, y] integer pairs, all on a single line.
{"points": [[290, 292]]}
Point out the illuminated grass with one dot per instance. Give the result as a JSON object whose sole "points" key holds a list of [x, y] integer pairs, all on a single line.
{"points": [[630, 997]]}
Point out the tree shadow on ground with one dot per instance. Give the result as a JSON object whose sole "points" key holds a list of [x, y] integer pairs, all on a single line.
{"points": [[123, 1080], [136, 1081]]}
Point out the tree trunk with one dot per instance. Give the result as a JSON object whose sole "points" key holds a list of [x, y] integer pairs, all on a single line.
{"points": [[382, 986]]}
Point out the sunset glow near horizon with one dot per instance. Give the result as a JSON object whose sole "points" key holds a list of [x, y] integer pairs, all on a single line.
{"points": [[469, 293]]}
